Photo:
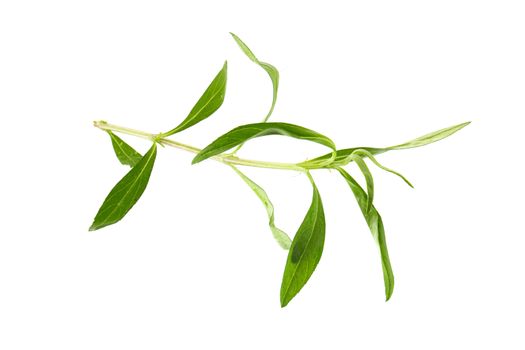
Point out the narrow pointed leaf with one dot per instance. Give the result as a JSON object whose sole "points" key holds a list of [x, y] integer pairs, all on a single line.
{"points": [[271, 70], [126, 192], [430, 138], [342, 154], [375, 223], [124, 152], [209, 102], [280, 236], [305, 251], [246, 132]]}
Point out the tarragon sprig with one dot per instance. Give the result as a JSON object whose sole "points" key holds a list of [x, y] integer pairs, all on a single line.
{"points": [[306, 247]]}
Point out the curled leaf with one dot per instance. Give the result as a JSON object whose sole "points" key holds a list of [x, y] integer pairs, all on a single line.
{"points": [[375, 223], [280, 236], [379, 165], [247, 132], [368, 178], [273, 73]]}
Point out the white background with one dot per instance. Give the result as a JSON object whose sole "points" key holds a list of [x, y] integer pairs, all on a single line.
{"points": [[193, 265]]}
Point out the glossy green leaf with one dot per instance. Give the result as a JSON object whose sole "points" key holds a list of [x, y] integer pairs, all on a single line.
{"points": [[306, 249], [246, 132], [271, 70], [342, 154], [209, 102], [280, 236], [375, 223], [126, 192], [124, 152]]}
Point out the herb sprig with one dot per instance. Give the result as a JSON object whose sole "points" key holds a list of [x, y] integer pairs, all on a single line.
{"points": [[306, 248]]}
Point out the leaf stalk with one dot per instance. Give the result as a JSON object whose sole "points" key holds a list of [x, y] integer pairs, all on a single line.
{"points": [[228, 159]]}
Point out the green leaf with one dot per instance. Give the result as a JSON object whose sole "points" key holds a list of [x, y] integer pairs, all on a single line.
{"points": [[379, 165], [124, 152], [430, 138], [280, 236], [375, 223], [245, 48], [126, 192], [271, 70], [246, 132], [342, 154], [209, 102], [306, 249], [341, 157], [368, 178]]}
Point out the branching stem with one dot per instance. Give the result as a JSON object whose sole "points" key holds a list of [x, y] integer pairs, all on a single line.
{"points": [[223, 158]]}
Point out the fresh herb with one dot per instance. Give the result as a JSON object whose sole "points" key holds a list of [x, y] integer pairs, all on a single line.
{"points": [[306, 248], [126, 192]]}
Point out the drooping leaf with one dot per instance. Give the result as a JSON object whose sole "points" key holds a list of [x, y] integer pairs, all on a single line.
{"points": [[209, 102], [345, 156], [342, 154], [246, 132], [271, 70], [126, 192], [379, 165], [280, 236], [124, 152], [375, 223], [368, 178], [305, 251]]}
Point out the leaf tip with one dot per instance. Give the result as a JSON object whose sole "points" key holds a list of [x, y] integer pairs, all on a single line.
{"points": [[462, 125], [284, 302], [196, 160], [389, 290]]}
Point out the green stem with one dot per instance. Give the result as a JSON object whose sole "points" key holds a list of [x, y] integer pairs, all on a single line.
{"points": [[223, 158]]}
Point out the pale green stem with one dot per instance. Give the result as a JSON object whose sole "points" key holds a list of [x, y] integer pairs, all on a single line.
{"points": [[223, 158]]}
